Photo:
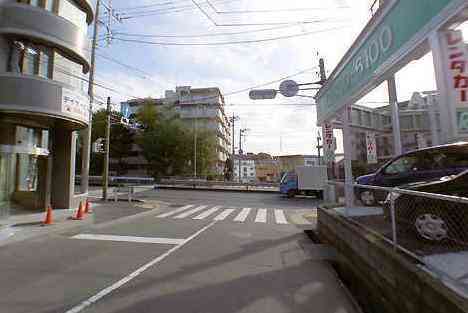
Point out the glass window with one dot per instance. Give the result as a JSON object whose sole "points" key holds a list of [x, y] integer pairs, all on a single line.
{"points": [[30, 61], [402, 165], [70, 11], [68, 72], [36, 3], [27, 172], [406, 122], [50, 5], [44, 65]]}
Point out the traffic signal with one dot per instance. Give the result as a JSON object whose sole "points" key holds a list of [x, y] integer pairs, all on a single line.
{"points": [[98, 145]]}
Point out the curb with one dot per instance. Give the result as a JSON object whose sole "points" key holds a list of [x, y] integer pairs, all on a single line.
{"points": [[215, 189]]}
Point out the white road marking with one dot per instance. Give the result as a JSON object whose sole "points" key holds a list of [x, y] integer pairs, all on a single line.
{"points": [[221, 216], [261, 216], [175, 211], [166, 241], [104, 292], [280, 217], [190, 212], [242, 216], [206, 213]]}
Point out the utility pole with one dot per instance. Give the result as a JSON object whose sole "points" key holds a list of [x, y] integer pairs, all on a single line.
{"points": [[195, 148], [87, 132], [105, 174], [319, 147], [241, 133], [233, 120]]}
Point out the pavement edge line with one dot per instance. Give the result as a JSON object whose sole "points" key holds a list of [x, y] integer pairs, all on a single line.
{"points": [[104, 292]]}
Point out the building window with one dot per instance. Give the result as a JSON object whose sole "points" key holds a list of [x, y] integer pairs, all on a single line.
{"points": [[35, 60], [71, 12], [49, 5]]}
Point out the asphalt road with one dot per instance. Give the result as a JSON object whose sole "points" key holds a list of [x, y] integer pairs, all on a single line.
{"points": [[200, 252]]}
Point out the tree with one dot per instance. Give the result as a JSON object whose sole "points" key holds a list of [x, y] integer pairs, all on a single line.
{"points": [[168, 147], [121, 141], [147, 115]]}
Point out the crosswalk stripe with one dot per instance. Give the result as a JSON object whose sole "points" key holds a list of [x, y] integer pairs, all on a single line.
{"points": [[206, 213], [175, 211], [242, 216], [221, 216], [280, 217], [190, 212], [261, 216]]}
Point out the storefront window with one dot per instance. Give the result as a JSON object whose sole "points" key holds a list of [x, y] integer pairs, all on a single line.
{"points": [[27, 172]]}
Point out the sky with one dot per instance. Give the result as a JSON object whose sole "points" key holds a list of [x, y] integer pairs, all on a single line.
{"points": [[280, 126]]}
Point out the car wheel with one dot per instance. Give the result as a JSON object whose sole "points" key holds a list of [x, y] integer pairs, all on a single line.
{"points": [[367, 197], [291, 193], [431, 226]]}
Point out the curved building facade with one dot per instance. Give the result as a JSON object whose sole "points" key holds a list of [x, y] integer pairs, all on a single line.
{"points": [[44, 59]]}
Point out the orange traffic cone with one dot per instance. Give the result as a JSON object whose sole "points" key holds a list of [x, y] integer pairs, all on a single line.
{"points": [[79, 214], [48, 218], [88, 207]]}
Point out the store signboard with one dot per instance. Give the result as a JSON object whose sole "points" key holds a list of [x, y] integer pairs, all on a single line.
{"points": [[455, 54], [390, 36], [75, 104], [371, 144]]}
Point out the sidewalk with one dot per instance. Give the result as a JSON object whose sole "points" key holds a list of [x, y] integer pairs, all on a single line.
{"points": [[29, 226], [24, 226]]}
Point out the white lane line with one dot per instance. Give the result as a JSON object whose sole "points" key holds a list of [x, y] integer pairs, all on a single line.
{"points": [[206, 213], [175, 211], [104, 292], [221, 216], [261, 216], [242, 216], [280, 217], [166, 241], [190, 212]]}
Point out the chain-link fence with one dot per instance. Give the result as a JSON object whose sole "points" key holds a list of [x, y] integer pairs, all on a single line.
{"points": [[431, 227]]}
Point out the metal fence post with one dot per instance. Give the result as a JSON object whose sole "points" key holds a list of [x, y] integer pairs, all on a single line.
{"points": [[392, 214], [116, 196], [130, 190]]}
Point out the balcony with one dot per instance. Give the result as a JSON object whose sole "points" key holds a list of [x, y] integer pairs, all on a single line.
{"points": [[41, 26], [33, 95]]}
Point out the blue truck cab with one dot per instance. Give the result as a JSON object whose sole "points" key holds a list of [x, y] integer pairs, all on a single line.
{"points": [[288, 184]]}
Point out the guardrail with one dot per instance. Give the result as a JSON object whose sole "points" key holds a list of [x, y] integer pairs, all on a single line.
{"points": [[431, 228]]}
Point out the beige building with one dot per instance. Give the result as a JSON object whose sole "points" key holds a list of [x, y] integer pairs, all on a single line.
{"points": [[199, 108]]}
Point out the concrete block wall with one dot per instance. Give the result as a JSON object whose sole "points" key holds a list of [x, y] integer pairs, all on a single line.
{"points": [[381, 279]]}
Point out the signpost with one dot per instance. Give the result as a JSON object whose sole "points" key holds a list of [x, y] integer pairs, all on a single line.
{"points": [[329, 143], [289, 88], [262, 94], [371, 148]]}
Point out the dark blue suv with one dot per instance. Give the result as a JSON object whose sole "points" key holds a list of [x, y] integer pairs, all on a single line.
{"points": [[414, 166]]}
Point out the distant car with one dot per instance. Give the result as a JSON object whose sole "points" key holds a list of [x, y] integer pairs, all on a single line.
{"points": [[415, 166], [433, 219]]}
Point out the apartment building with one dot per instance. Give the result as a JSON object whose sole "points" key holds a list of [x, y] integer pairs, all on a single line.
{"points": [[419, 127], [198, 108], [244, 169], [44, 54]]}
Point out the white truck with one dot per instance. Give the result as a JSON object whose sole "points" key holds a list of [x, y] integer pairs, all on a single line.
{"points": [[307, 180]]}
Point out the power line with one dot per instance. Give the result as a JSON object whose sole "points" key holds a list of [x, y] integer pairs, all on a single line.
{"points": [[226, 42], [174, 9], [207, 34], [246, 24], [270, 11]]}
